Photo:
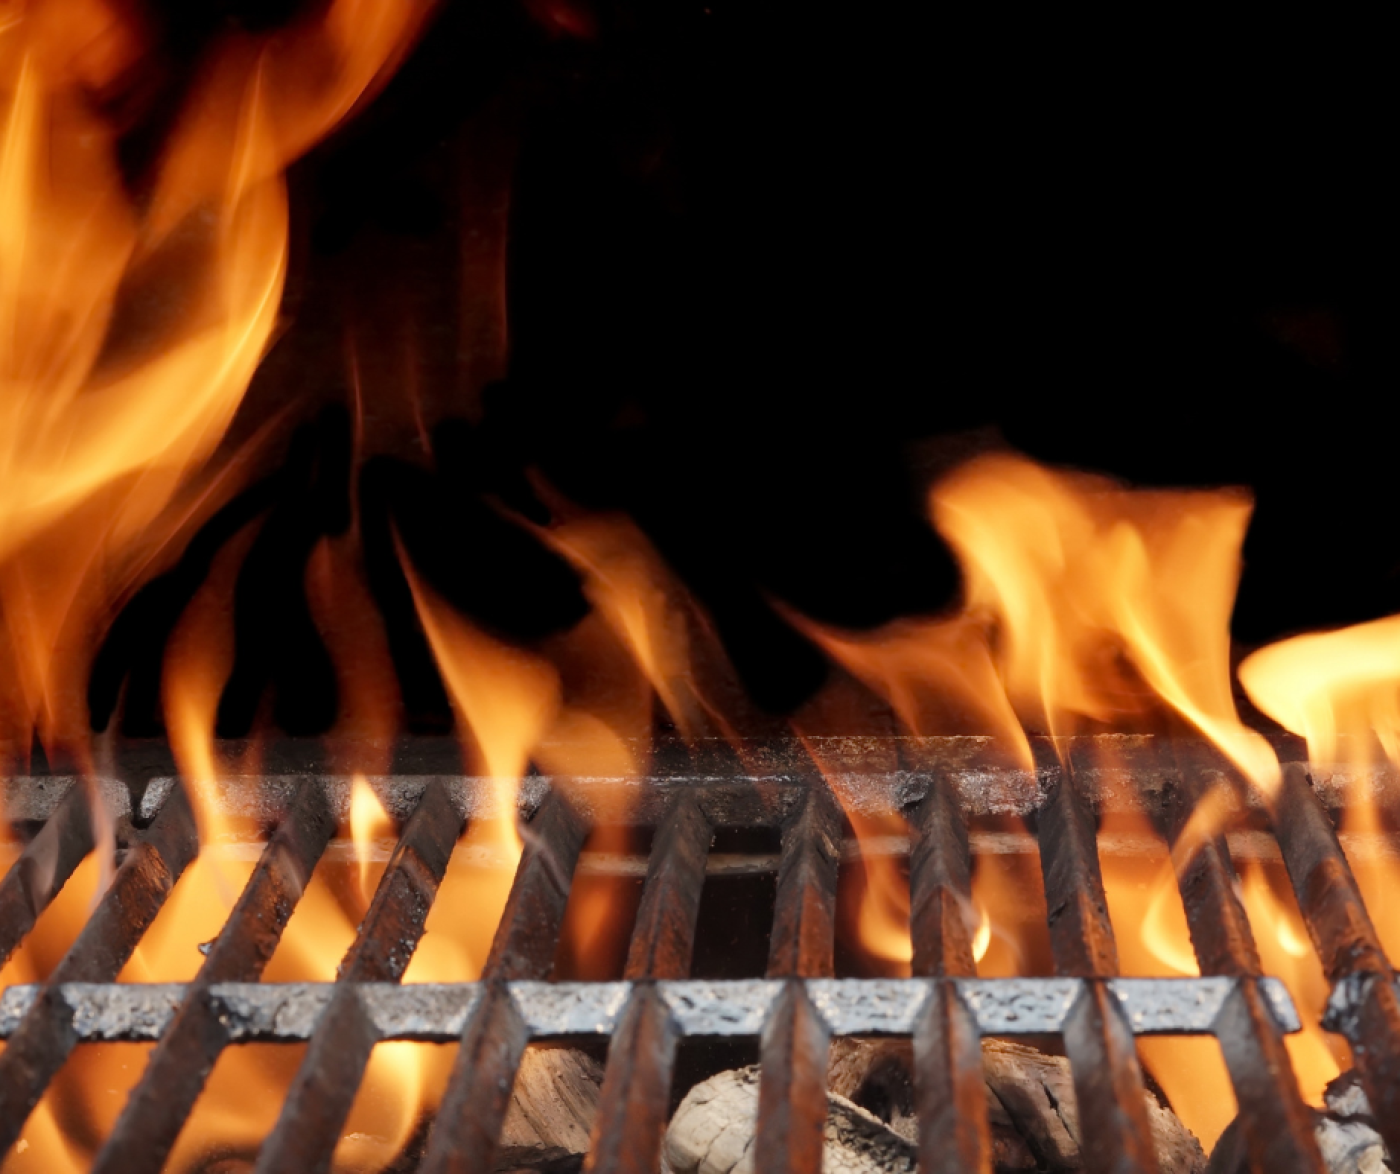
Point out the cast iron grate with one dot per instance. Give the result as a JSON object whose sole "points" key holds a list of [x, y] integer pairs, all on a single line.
{"points": [[794, 1012]]}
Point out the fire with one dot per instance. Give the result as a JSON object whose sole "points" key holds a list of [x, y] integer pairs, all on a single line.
{"points": [[1340, 691], [505, 699], [1106, 602], [130, 325], [1285, 951], [369, 822], [650, 614], [1144, 904], [107, 405]]}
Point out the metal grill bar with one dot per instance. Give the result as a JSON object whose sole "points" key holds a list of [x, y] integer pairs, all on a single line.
{"points": [[39, 1045], [438, 1012], [46, 862], [953, 1132], [180, 1064], [632, 1112], [1346, 940], [467, 1131], [793, 1053], [794, 1012], [1277, 1125], [323, 1091], [1108, 1084]]}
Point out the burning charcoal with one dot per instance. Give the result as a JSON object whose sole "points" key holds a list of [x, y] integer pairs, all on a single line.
{"points": [[1037, 1093], [1346, 1132], [551, 1111], [713, 1133], [1030, 1108], [1346, 1135]]}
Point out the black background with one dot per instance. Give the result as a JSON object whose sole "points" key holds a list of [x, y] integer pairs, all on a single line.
{"points": [[769, 265]]}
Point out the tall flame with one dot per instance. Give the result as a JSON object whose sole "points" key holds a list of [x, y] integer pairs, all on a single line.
{"points": [[1097, 591], [129, 329], [1340, 690]]}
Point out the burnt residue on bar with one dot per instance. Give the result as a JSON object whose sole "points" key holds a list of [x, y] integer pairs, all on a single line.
{"points": [[323, 1091], [1108, 1083], [632, 1112], [1276, 1124], [38, 1049], [180, 1064], [953, 1129], [467, 1131]]}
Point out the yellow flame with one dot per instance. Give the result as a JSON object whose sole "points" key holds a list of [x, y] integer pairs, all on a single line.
{"points": [[1090, 585], [130, 328], [368, 822], [982, 938]]}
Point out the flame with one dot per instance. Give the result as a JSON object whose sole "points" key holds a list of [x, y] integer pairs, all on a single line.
{"points": [[982, 935], [872, 892], [130, 327], [1285, 952], [642, 603], [505, 700], [1144, 904], [129, 330], [1008, 900], [1096, 591], [369, 822], [1340, 690], [370, 710]]}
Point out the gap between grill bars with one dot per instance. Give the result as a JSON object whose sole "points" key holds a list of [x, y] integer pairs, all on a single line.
{"points": [[794, 1011]]}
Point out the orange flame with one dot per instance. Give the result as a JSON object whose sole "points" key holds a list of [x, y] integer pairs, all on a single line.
{"points": [[129, 330], [106, 402], [1285, 951], [1340, 690], [1097, 591], [369, 822]]}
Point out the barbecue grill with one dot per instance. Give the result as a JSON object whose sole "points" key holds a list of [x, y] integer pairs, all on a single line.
{"points": [[794, 1010]]}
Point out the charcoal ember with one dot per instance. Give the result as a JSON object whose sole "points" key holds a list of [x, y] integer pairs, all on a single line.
{"points": [[1030, 1104], [551, 1112], [1345, 1131], [712, 1132]]}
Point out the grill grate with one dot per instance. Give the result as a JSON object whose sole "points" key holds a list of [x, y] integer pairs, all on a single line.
{"points": [[794, 1011]]}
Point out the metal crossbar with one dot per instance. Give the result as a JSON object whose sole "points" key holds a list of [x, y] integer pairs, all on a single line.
{"points": [[793, 1011]]}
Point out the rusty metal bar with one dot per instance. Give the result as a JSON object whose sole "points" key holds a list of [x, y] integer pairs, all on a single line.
{"points": [[467, 1131], [1346, 941], [804, 916], [954, 1136], [940, 885], [632, 1112], [1331, 904], [323, 1091], [1277, 1125], [793, 1052], [46, 1036], [1098, 1039], [47, 861], [180, 1064]]}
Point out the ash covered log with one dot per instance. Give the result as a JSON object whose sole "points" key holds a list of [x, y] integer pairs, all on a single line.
{"points": [[713, 1133], [1346, 1134], [871, 1123]]}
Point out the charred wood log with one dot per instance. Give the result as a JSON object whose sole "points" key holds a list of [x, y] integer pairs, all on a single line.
{"points": [[551, 1111], [713, 1133], [1346, 1134], [871, 1123]]}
